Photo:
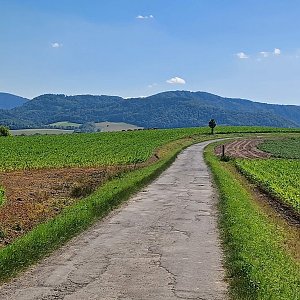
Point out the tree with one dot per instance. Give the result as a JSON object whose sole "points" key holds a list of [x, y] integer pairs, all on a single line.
{"points": [[212, 124], [4, 131]]}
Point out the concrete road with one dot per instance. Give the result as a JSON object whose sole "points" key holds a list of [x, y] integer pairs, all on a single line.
{"points": [[162, 244]]}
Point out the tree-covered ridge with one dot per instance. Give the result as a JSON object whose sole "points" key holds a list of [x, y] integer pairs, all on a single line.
{"points": [[9, 101], [163, 110]]}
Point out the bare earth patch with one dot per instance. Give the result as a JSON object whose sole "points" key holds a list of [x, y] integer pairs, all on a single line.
{"points": [[34, 196], [243, 149]]}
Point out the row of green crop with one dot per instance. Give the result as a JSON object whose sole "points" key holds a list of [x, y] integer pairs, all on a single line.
{"points": [[285, 148], [85, 149], [278, 177], [258, 267], [97, 149]]}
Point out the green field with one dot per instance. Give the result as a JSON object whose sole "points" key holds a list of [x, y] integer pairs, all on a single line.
{"points": [[285, 148], [254, 256], [279, 177], [49, 235], [97, 149]]}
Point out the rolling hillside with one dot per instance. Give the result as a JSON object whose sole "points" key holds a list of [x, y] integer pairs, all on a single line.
{"points": [[9, 101], [163, 110]]}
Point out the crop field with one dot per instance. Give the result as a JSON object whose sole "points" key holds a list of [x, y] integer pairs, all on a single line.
{"points": [[284, 148], [97, 149], [279, 177], [42, 175], [55, 186], [85, 149]]}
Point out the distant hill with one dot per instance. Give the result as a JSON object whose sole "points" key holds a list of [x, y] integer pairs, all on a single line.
{"points": [[163, 110], [9, 101]]}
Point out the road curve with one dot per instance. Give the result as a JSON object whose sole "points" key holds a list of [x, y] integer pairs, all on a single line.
{"points": [[162, 244]]}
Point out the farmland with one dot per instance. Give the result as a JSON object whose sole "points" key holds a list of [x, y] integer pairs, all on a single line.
{"points": [[57, 186], [97, 149], [85, 149], [284, 148], [48, 202], [279, 177]]}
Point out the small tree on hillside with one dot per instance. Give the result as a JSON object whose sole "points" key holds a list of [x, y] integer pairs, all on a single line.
{"points": [[4, 131], [212, 124]]}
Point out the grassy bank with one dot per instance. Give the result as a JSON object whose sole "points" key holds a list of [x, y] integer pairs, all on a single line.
{"points": [[50, 235], [258, 267]]}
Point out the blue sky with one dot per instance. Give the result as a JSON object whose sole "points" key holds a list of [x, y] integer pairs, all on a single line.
{"points": [[246, 49]]}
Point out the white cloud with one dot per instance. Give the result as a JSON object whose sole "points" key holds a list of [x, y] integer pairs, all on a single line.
{"points": [[277, 51], [144, 17], [264, 54], [242, 55], [152, 85], [176, 80], [56, 45]]}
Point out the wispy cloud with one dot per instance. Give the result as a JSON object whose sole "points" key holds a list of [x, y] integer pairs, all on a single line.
{"points": [[264, 53], [176, 80], [277, 51], [242, 55], [152, 85], [56, 45], [144, 17]]}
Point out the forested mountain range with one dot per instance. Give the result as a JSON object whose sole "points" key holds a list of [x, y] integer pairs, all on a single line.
{"points": [[9, 101], [163, 110]]}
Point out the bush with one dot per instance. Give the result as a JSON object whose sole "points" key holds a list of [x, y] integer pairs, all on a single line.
{"points": [[4, 131]]}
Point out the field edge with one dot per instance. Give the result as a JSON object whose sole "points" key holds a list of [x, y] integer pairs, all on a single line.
{"points": [[257, 266]]}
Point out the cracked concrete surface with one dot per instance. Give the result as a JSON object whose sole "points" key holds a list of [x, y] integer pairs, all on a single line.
{"points": [[162, 244]]}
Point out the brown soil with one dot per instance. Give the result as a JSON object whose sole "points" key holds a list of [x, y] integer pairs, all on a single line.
{"points": [[34, 196], [243, 149]]}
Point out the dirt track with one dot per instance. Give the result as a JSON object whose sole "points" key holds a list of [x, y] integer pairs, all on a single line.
{"points": [[243, 149], [163, 244]]}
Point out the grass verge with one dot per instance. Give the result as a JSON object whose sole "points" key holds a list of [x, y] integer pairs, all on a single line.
{"points": [[48, 236], [258, 266]]}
